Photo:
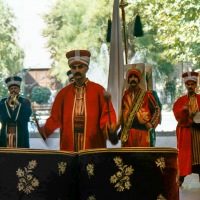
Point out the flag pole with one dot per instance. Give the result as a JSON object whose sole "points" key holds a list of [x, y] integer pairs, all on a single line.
{"points": [[116, 66], [122, 5]]}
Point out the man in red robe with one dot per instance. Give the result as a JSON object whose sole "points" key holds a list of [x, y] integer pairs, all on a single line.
{"points": [[188, 129], [84, 116], [139, 113]]}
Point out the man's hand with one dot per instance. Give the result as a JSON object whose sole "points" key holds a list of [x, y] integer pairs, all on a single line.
{"points": [[149, 125], [16, 102], [11, 96], [112, 134], [12, 100], [112, 128]]}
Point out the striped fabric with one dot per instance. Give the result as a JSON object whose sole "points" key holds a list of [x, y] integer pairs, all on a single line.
{"points": [[79, 118], [195, 146]]}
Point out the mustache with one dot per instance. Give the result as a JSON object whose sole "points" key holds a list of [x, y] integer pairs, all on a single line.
{"points": [[77, 74], [132, 82]]}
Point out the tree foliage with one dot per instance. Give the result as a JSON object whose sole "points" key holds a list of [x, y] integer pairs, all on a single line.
{"points": [[40, 94], [75, 25], [11, 56], [171, 31], [171, 89], [175, 25]]}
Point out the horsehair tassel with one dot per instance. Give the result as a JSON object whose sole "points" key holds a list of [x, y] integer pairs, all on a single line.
{"points": [[137, 30], [107, 98], [108, 38]]}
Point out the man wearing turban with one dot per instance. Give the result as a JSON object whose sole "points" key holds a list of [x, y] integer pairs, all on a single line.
{"points": [[139, 113], [15, 112], [186, 109], [81, 111]]}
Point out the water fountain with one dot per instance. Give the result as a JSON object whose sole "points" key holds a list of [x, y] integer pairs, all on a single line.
{"points": [[98, 71]]}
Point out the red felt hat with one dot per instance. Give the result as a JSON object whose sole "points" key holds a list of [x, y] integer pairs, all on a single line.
{"points": [[78, 57], [135, 71], [190, 76]]}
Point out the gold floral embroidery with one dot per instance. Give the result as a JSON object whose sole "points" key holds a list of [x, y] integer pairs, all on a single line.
{"points": [[27, 181], [122, 178], [160, 197], [90, 170], [161, 163], [62, 167], [91, 197]]}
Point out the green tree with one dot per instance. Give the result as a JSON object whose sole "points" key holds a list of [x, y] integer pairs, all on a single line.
{"points": [[11, 55], [152, 54], [75, 24], [171, 31], [40, 94], [171, 89], [174, 25]]}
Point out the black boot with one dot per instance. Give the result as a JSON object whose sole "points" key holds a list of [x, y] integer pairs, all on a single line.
{"points": [[199, 177], [181, 180]]}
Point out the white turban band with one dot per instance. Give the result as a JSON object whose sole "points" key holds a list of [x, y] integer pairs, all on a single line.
{"points": [[13, 82], [83, 59], [190, 78]]}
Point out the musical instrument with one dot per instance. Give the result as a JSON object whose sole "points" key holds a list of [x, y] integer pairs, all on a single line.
{"points": [[52, 182], [116, 173], [141, 173], [12, 100], [196, 118]]}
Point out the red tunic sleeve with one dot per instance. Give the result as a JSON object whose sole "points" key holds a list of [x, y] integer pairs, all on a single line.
{"points": [[182, 115], [54, 121]]}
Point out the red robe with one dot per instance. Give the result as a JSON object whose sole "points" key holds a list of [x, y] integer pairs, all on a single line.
{"points": [[184, 134], [96, 117], [148, 111]]}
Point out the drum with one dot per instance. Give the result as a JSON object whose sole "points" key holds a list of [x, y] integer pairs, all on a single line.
{"points": [[101, 174], [129, 174], [27, 174]]}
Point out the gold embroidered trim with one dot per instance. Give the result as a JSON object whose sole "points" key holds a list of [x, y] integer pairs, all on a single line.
{"points": [[90, 170], [7, 109], [18, 112], [135, 107], [160, 162], [62, 167], [16, 142], [160, 197], [27, 182], [121, 178]]}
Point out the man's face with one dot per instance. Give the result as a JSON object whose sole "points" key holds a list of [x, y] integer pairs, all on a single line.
{"points": [[79, 71], [191, 86], [14, 90], [133, 80]]}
